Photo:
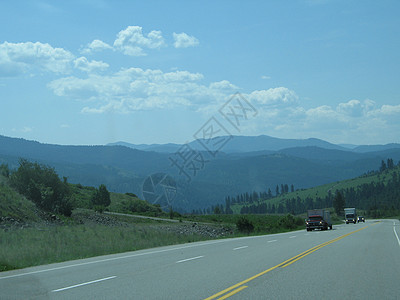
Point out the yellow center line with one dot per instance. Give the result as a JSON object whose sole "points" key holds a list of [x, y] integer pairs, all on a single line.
{"points": [[240, 286], [240, 283], [294, 259], [233, 292]]}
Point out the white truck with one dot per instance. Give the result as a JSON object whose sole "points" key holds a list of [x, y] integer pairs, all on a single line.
{"points": [[350, 215], [318, 219]]}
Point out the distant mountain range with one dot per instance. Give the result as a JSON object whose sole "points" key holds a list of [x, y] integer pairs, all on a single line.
{"points": [[243, 164], [238, 144], [246, 144]]}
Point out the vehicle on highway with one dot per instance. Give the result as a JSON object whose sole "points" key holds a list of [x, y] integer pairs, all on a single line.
{"points": [[360, 219], [318, 219], [350, 215]]}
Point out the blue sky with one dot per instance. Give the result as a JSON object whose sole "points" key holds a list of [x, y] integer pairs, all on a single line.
{"points": [[94, 72]]}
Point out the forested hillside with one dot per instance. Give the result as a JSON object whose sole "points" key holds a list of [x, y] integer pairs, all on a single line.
{"points": [[377, 193], [207, 180]]}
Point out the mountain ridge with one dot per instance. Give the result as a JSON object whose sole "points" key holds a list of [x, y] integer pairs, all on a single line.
{"points": [[241, 144], [123, 169]]}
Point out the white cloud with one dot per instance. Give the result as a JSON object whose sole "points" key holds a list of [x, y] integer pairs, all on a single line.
{"points": [[182, 40], [96, 46], [18, 58], [352, 108], [274, 97], [280, 113], [138, 89], [131, 41], [387, 110], [83, 64], [224, 85], [321, 112], [25, 129]]}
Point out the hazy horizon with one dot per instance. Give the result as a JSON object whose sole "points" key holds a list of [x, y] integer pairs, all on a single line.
{"points": [[344, 145]]}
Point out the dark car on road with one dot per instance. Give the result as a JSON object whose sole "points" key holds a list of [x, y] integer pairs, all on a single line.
{"points": [[360, 219]]}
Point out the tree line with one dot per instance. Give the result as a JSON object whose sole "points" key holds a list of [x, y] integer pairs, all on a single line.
{"points": [[377, 198], [252, 198]]}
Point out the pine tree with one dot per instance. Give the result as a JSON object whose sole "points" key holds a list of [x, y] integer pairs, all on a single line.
{"points": [[338, 203], [101, 198], [383, 166], [390, 163]]}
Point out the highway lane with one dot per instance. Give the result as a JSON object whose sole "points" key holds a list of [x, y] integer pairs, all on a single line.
{"points": [[354, 260], [363, 265]]}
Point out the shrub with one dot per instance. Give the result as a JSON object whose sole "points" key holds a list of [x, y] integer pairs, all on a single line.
{"points": [[99, 208], [244, 225], [288, 222], [101, 197], [41, 185]]}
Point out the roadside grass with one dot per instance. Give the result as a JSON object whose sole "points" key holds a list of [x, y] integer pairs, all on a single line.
{"points": [[20, 248], [263, 224], [125, 203], [44, 243], [32, 246]]}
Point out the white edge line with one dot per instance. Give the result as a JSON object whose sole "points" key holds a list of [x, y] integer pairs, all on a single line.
{"points": [[272, 241], [394, 229], [139, 254], [292, 237], [238, 248], [81, 284], [110, 259], [188, 259]]}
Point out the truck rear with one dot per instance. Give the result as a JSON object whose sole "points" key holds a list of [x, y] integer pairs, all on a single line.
{"points": [[350, 215]]}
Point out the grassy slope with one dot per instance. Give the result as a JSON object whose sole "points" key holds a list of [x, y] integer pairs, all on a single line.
{"points": [[14, 205], [42, 244], [323, 190], [121, 203]]}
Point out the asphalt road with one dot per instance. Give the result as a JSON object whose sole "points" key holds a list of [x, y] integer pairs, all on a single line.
{"points": [[354, 261]]}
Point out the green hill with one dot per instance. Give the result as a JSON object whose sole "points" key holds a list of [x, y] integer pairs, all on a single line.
{"points": [[378, 191], [16, 208], [121, 203]]}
